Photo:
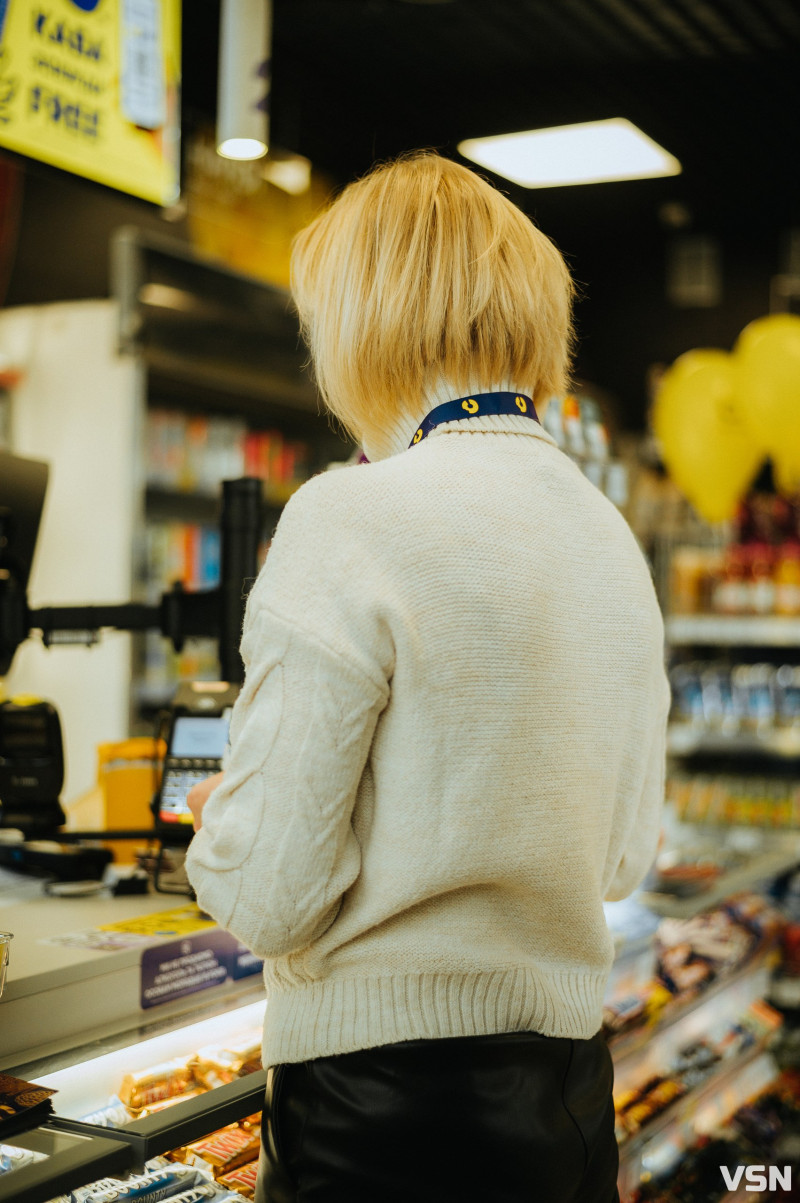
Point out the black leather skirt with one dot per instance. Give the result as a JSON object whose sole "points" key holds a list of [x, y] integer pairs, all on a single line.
{"points": [[512, 1118]]}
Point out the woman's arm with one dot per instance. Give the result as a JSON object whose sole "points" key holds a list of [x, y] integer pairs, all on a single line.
{"points": [[643, 839], [276, 850]]}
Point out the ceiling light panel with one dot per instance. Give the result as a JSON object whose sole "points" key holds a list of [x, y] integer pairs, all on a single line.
{"points": [[592, 152]]}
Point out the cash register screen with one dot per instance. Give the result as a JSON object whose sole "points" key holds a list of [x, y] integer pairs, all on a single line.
{"points": [[199, 737]]}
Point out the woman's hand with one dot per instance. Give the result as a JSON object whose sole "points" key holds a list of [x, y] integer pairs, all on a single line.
{"points": [[198, 796]]}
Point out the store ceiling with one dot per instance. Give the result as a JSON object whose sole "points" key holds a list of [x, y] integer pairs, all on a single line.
{"points": [[717, 82]]}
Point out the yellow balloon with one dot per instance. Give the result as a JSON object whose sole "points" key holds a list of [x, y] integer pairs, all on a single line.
{"points": [[767, 356], [708, 451]]}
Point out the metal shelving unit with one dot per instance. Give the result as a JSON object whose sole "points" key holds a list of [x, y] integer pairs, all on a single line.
{"points": [[772, 748], [718, 630], [691, 739], [765, 866]]}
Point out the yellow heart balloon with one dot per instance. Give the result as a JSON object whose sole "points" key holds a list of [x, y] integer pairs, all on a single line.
{"points": [[708, 451], [767, 355]]}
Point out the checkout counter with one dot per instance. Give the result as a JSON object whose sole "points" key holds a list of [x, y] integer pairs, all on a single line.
{"points": [[104, 990], [140, 1016]]}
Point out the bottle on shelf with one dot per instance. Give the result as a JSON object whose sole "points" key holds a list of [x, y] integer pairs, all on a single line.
{"points": [[760, 579], [731, 593], [787, 579]]}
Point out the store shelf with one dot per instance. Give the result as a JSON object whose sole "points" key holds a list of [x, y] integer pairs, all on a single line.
{"points": [[233, 383], [690, 739], [760, 868], [628, 1045], [744, 631], [693, 1100]]}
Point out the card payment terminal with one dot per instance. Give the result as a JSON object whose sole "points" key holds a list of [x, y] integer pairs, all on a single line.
{"points": [[197, 741]]}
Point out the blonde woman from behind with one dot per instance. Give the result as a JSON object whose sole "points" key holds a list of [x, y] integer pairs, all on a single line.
{"points": [[449, 747]]}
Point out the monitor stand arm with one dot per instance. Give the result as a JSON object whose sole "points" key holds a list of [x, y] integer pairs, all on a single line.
{"points": [[180, 615]]}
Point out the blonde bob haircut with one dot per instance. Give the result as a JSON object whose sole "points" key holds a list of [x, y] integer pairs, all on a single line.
{"points": [[422, 272]]}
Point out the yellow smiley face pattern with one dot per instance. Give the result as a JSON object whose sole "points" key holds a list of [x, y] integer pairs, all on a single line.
{"points": [[481, 403]]}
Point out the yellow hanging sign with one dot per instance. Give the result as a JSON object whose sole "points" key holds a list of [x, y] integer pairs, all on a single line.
{"points": [[92, 86]]}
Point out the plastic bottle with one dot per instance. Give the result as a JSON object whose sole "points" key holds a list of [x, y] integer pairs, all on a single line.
{"points": [[732, 589], [787, 579], [761, 583]]}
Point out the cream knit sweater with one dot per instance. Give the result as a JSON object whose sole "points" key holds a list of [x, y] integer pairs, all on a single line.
{"points": [[448, 750]]}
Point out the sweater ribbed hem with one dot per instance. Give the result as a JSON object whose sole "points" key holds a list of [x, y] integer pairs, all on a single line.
{"points": [[344, 1015]]}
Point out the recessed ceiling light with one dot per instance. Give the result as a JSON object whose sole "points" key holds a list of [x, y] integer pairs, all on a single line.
{"points": [[242, 148], [591, 152]]}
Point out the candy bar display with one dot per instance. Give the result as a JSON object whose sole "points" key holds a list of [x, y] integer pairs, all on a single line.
{"points": [[215, 1065], [149, 1086], [691, 954], [691, 1066], [22, 1104], [635, 1108], [14, 1158], [242, 1180], [148, 1091], [697, 1179], [713, 942], [221, 1166], [740, 800]]}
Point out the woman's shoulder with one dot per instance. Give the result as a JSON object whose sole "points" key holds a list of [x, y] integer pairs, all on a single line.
{"points": [[347, 490]]}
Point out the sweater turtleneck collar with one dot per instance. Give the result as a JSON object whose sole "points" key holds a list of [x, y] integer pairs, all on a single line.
{"points": [[397, 437]]}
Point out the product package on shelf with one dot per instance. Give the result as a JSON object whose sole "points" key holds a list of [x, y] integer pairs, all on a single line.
{"points": [[194, 453], [181, 551], [180, 1184], [740, 800], [577, 424], [726, 696]]}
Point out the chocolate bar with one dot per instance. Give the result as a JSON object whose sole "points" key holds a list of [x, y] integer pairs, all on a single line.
{"points": [[227, 1149], [242, 1180], [147, 1086]]}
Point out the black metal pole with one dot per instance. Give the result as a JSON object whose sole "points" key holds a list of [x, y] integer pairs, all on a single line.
{"points": [[241, 524]]}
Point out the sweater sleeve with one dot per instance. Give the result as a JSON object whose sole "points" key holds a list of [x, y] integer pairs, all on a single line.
{"points": [[276, 850], [642, 843]]}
